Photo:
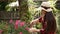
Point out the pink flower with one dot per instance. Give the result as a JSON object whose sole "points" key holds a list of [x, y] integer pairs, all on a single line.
{"points": [[16, 27], [22, 24], [10, 21], [16, 24], [27, 28], [20, 33], [1, 31]]}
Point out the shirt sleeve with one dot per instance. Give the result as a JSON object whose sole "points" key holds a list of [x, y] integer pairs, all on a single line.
{"points": [[40, 19], [42, 31]]}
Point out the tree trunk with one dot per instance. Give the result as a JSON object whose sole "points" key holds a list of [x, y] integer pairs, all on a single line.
{"points": [[23, 8]]}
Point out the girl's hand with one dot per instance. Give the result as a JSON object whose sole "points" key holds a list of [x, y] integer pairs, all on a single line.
{"points": [[34, 30]]}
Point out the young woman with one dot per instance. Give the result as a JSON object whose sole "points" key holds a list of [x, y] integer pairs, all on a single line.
{"points": [[47, 19]]}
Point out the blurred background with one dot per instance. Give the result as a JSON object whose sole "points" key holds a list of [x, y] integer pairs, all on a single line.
{"points": [[24, 11]]}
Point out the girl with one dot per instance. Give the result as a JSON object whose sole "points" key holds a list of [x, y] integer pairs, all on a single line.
{"points": [[47, 19]]}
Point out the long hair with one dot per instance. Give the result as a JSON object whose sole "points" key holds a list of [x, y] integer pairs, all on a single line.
{"points": [[51, 22]]}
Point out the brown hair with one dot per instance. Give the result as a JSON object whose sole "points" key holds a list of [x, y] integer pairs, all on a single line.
{"points": [[51, 22]]}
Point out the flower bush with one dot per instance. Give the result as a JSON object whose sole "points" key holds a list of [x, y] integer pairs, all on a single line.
{"points": [[11, 27]]}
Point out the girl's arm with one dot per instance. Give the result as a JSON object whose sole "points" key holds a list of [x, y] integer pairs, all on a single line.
{"points": [[36, 21]]}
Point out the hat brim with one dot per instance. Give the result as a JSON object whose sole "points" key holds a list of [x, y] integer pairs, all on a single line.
{"points": [[47, 10]]}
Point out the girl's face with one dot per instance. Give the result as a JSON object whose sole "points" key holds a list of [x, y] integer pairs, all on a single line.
{"points": [[43, 12]]}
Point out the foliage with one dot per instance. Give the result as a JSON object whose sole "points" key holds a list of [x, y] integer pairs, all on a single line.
{"points": [[9, 28], [2, 5], [57, 5], [27, 14]]}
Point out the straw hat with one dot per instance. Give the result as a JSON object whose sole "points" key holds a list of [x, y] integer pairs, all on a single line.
{"points": [[46, 4]]}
